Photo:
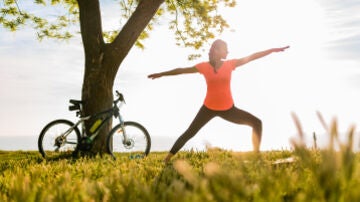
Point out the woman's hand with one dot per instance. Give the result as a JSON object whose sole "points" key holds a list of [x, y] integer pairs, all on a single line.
{"points": [[155, 76], [280, 49]]}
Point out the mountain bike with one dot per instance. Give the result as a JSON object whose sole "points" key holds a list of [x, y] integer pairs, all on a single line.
{"points": [[61, 136]]}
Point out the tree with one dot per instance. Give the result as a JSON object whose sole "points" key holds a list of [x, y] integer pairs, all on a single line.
{"points": [[194, 23]]}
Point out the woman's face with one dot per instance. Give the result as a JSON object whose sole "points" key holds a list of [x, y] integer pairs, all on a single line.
{"points": [[218, 50]]}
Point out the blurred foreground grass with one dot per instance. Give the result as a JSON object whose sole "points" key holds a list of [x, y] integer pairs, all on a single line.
{"points": [[213, 175], [330, 174]]}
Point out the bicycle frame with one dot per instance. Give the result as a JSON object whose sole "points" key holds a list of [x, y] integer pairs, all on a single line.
{"points": [[109, 113], [106, 114]]}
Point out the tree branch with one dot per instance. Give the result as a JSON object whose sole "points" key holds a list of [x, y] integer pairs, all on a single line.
{"points": [[138, 21]]}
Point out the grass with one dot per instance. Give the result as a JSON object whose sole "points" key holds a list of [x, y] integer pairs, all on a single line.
{"points": [[214, 175], [308, 174]]}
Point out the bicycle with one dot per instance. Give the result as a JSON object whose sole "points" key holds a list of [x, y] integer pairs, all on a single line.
{"points": [[62, 136]]}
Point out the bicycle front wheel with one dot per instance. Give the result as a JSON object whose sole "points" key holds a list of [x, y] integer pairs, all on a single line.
{"points": [[58, 138], [131, 138]]}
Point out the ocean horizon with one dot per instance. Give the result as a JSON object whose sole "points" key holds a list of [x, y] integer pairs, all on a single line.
{"points": [[29, 143]]}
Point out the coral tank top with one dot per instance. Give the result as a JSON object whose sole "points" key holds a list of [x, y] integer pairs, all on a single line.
{"points": [[218, 94]]}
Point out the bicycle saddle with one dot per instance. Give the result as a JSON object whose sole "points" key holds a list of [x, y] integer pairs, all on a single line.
{"points": [[76, 104]]}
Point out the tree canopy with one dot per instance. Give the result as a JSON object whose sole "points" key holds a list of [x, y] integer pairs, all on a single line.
{"points": [[193, 22]]}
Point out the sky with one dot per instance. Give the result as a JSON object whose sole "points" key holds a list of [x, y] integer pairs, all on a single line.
{"points": [[319, 73]]}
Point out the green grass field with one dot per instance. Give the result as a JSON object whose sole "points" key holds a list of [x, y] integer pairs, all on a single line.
{"points": [[212, 175], [330, 174]]}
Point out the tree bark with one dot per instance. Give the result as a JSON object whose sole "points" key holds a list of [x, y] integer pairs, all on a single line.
{"points": [[102, 60]]}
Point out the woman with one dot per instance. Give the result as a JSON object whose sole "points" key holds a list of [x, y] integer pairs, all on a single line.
{"points": [[218, 101]]}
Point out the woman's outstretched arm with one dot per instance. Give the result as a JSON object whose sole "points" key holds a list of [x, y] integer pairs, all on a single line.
{"points": [[258, 55], [176, 71]]}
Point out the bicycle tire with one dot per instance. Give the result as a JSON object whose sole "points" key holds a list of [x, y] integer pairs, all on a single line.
{"points": [[139, 143], [50, 143]]}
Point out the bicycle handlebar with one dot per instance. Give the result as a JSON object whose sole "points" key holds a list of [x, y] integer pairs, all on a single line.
{"points": [[121, 97]]}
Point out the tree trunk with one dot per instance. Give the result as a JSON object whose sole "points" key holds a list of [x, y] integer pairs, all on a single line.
{"points": [[102, 60]]}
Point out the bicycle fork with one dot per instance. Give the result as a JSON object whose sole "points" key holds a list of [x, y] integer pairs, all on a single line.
{"points": [[126, 140]]}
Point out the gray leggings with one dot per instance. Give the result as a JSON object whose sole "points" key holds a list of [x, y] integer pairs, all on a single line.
{"points": [[205, 114]]}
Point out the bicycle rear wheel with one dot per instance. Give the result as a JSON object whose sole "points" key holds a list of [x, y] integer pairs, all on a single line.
{"points": [[137, 142], [58, 139]]}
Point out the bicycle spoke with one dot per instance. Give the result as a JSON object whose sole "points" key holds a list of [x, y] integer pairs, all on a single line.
{"points": [[135, 142], [52, 145]]}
